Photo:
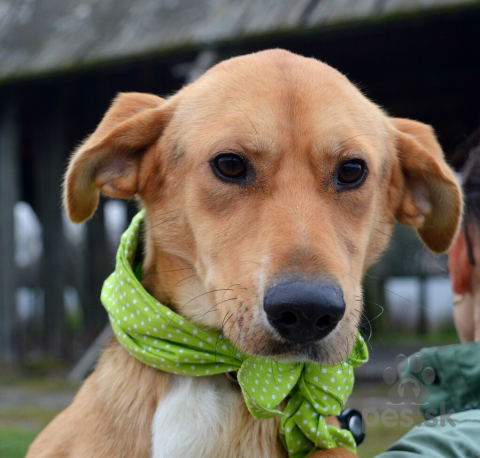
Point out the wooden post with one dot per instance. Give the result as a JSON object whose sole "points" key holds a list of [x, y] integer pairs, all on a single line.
{"points": [[422, 320], [99, 265], [49, 156], [9, 192]]}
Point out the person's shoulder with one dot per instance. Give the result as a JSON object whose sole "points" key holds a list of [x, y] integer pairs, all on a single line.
{"points": [[454, 435], [472, 415]]}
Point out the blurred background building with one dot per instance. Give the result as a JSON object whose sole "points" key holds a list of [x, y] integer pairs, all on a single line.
{"points": [[62, 62]]}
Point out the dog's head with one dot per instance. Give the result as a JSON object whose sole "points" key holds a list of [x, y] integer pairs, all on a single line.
{"points": [[270, 186]]}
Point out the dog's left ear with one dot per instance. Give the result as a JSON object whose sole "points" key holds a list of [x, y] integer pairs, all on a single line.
{"points": [[432, 199], [109, 161]]}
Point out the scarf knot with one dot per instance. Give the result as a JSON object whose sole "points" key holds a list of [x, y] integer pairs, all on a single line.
{"points": [[164, 340]]}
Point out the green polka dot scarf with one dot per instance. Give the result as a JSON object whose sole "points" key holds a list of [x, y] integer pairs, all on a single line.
{"points": [[158, 337]]}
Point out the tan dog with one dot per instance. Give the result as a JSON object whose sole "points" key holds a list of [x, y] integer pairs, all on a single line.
{"points": [[271, 173]]}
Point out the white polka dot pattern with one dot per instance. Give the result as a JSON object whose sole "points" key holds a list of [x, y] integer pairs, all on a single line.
{"points": [[158, 337]]}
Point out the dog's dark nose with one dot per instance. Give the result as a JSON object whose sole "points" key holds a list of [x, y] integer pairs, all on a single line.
{"points": [[304, 312]]}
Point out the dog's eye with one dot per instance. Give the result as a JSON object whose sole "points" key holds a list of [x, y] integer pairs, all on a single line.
{"points": [[229, 166], [351, 173]]}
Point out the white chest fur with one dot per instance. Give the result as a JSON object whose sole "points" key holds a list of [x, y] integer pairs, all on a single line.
{"points": [[206, 417], [195, 418]]}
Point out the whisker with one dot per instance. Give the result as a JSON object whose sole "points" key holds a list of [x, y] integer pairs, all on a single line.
{"points": [[382, 308], [240, 326], [160, 223], [170, 219], [337, 147], [224, 322], [204, 294], [166, 271], [183, 279], [407, 300], [191, 300], [211, 309], [239, 109]]}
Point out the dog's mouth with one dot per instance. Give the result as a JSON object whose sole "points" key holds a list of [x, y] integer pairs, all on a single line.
{"points": [[320, 352], [288, 351]]}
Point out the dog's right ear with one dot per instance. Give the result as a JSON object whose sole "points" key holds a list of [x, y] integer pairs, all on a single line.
{"points": [[432, 198], [109, 160]]}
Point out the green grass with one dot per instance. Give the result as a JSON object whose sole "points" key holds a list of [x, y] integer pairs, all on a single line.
{"points": [[15, 443], [379, 438], [19, 426]]}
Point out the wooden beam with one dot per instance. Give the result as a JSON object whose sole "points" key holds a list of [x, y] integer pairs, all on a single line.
{"points": [[9, 193], [98, 266], [50, 151]]}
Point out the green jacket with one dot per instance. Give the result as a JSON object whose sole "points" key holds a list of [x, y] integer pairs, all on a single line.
{"points": [[456, 387]]}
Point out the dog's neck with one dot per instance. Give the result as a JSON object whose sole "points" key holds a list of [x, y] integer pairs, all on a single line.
{"points": [[168, 271]]}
